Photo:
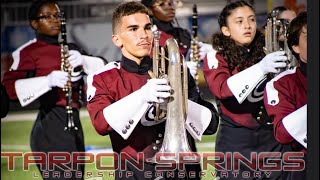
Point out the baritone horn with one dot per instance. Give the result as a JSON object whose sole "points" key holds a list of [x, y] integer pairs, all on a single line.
{"points": [[175, 137]]}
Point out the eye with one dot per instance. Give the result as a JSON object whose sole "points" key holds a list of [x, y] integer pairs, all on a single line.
{"points": [[239, 22], [148, 27], [253, 20], [133, 29], [162, 3]]}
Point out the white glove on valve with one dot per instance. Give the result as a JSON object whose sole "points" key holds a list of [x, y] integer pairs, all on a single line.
{"points": [[75, 58], [156, 90], [272, 61], [192, 65], [57, 79], [204, 48]]}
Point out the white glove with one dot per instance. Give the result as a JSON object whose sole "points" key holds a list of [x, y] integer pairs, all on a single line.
{"points": [[272, 61], [192, 65], [156, 90], [75, 58], [204, 49], [57, 79]]}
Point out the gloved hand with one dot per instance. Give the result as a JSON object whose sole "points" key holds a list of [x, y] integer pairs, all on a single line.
{"points": [[57, 79], [75, 58], [192, 65], [272, 61], [204, 48], [156, 90]]}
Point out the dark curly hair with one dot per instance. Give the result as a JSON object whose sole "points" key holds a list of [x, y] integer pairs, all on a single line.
{"points": [[238, 57]]}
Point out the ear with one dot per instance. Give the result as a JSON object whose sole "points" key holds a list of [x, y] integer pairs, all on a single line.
{"points": [[225, 31], [296, 49], [34, 24], [117, 40]]}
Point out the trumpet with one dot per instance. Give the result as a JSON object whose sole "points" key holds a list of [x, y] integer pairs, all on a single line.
{"points": [[275, 29], [175, 137]]}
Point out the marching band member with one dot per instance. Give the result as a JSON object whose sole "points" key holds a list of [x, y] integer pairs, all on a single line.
{"points": [[285, 95], [163, 15], [35, 75], [236, 76], [283, 14], [121, 94]]}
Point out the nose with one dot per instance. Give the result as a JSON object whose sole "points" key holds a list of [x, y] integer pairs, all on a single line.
{"points": [[247, 24], [144, 34]]}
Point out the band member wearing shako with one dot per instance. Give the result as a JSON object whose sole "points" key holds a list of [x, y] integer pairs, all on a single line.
{"points": [[121, 96], [286, 95], [236, 75], [163, 16], [35, 75]]}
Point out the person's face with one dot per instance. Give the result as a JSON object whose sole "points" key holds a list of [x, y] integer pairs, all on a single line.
{"points": [[134, 36], [288, 15], [301, 48], [48, 21], [164, 10], [241, 26]]}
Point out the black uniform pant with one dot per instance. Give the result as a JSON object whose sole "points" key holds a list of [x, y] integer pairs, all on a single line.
{"points": [[233, 137], [191, 171], [48, 136], [149, 172]]}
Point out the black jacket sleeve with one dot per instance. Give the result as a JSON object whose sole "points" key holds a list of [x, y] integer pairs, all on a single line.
{"points": [[4, 102]]}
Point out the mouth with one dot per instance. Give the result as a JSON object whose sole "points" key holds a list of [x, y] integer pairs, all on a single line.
{"points": [[144, 44], [247, 34], [56, 28], [171, 14]]}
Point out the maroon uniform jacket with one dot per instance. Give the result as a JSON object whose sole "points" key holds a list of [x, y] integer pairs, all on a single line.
{"points": [[114, 82], [36, 59], [39, 58], [286, 93], [250, 111], [167, 30]]}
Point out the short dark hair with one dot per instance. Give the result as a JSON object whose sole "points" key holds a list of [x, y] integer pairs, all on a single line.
{"points": [[36, 6], [295, 29], [126, 9]]}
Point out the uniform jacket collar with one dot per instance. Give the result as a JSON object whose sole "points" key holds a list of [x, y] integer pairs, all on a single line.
{"points": [[303, 67], [131, 66], [48, 39]]}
